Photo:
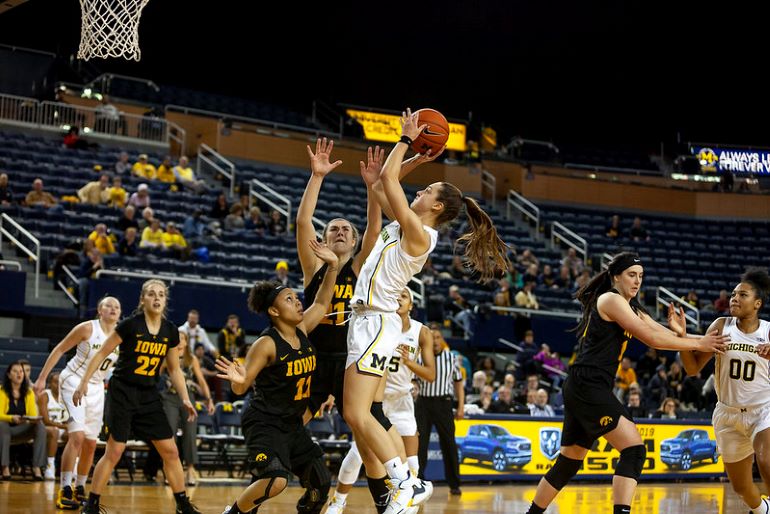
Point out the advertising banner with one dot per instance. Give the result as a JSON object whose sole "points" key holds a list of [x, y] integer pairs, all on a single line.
{"points": [[387, 127], [740, 161]]}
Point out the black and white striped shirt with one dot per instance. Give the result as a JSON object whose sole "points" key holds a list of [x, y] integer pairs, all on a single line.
{"points": [[447, 373]]}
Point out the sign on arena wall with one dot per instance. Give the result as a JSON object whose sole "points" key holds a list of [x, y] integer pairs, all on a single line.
{"points": [[739, 161], [387, 127], [492, 448]]}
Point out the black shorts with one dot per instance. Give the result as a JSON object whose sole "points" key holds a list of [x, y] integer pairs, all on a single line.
{"points": [[276, 447], [590, 408], [328, 379], [137, 411]]}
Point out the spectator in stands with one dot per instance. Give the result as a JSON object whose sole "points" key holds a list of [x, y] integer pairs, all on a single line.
{"points": [[727, 181], [485, 398], [547, 278], [107, 117], [128, 219], [116, 195], [128, 245], [531, 397], [533, 382], [675, 380], [194, 227], [540, 408], [220, 209], [478, 383], [657, 388], [582, 279], [276, 225], [282, 273], [196, 334], [645, 366], [505, 403], [532, 274], [722, 304], [141, 198], [208, 367], [457, 308], [174, 242], [527, 258], [234, 220], [458, 269], [6, 194], [488, 366], [526, 298], [513, 276], [122, 165], [551, 359], [692, 393], [165, 171], [143, 168], [95, 193], [87, 271], [231, 337], [147, 216], [184, 175], [52, 412], [667, 409], [635, 407], [692, 298], [564, 280], [72, 140], [573, 262], [255, 222], [17, 400], [102, 240], [525, 357], [39, 197], [624, 378], [152, 236], [613, 229], [502, 298], [637, 232]]}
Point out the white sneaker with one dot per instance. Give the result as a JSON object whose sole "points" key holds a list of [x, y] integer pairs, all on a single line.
{"points": [[409, 493], [50, 472], [336, 506], [412, 510]]}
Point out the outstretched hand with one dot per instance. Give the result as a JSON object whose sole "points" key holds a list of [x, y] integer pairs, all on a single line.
{"points": [[410, 124], [319, 161], [370, 171], [676, 320], [324, 253], [231, 371], [713, 342]]}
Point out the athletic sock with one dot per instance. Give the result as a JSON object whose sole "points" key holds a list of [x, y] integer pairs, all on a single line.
{"points": [[180, 498], [414, 464], [66, 479], [621, 509], [52, 461], [762, 508], [378, 487], [81, 480], [397, 469], [534, 509]]}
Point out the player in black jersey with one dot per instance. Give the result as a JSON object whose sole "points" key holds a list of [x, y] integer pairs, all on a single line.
{"points": [[134, 404], [611, 315], [280, 364]]}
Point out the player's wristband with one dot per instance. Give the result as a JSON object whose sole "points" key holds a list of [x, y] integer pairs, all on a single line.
{"points": [[406, 139]]}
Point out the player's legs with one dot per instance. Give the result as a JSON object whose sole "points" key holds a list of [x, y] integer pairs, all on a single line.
{"points": [[626, 439], [762, 451], [411, 446], [258, 492], [567, 465], [742, 481], [112, 453], [172, 466]]}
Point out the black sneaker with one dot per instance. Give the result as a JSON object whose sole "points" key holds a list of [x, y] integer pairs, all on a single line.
{"points": [[65, 500], [187, 508], [80, 494], [89, 508]]}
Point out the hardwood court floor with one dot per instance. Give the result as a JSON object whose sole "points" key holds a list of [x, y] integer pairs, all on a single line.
{"points": [[707, 498]]}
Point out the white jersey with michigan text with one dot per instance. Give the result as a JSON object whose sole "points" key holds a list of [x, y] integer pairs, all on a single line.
{"points": [[399, 376], [742, 378], [388, 269], [86, 350]]}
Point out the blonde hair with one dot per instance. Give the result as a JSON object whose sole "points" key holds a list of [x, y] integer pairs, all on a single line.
{"points": [[145, 286], [101, 302]]}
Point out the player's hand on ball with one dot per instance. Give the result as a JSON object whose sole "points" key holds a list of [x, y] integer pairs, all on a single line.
{"points": [[231, 371], [324, 253], [409, 126], [713, 342]]}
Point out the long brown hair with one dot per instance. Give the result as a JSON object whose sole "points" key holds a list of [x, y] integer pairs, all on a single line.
{"points": [[484, 250]]}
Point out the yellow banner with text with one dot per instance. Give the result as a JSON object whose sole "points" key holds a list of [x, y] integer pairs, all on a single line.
{"points": [[387, 127]]}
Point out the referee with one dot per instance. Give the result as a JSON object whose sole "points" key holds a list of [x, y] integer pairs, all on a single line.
{"points": [[434, 407]]}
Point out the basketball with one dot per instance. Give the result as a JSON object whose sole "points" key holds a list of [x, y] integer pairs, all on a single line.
{"points": [[435, 135]]}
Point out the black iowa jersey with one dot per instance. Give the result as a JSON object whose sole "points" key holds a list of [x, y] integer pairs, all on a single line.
{"points": [[331, 335], [142, 353], [602, 344], [283, 388]]}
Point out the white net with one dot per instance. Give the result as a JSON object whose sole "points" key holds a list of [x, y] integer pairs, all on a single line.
{"points": [[110, 28]]}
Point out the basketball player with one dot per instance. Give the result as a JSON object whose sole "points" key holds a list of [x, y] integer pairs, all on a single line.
{"points": [[375, 328], [398, 404], [280, 365], [330, 337], [85, 420], [611, 315], [135, 404], [742, 415]]}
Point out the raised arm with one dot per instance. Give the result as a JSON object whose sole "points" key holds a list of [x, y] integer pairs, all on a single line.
{"points": [[260, 355], [693, 361], [426, 371], [415, 240], [370, 172], [320, 166], [315, 313], [614, 308], [107, 348], [81, 332]]}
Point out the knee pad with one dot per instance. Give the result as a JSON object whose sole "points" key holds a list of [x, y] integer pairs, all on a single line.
{"points": [[316, 480], [380, 416], [562, 471], [350, 467], [631, 462]]}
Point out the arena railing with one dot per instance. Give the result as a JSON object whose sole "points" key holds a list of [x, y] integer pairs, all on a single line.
{"points": [[606, 259], [105, 81], [10, 263], [570, 238], [63, 286], [529, 312], [273, 198], [34, 256], [489, 183], [613, 169], [171, 279], [664, 297], [215, 160], [527, 208]]}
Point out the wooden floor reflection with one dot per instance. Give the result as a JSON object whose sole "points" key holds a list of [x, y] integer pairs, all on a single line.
{"points": [[700, 498]]}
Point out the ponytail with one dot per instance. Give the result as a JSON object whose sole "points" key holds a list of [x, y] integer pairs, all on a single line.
{"points": [[486, 252], [588, 294]]}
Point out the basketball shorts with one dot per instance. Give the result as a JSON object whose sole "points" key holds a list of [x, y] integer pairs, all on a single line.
{"points": [[399, 408], [735, 429], [136, 411], [372, 339], [89, 415]]}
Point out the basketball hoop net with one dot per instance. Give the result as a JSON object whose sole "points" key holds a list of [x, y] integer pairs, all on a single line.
{"points": [[110, 28]]}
